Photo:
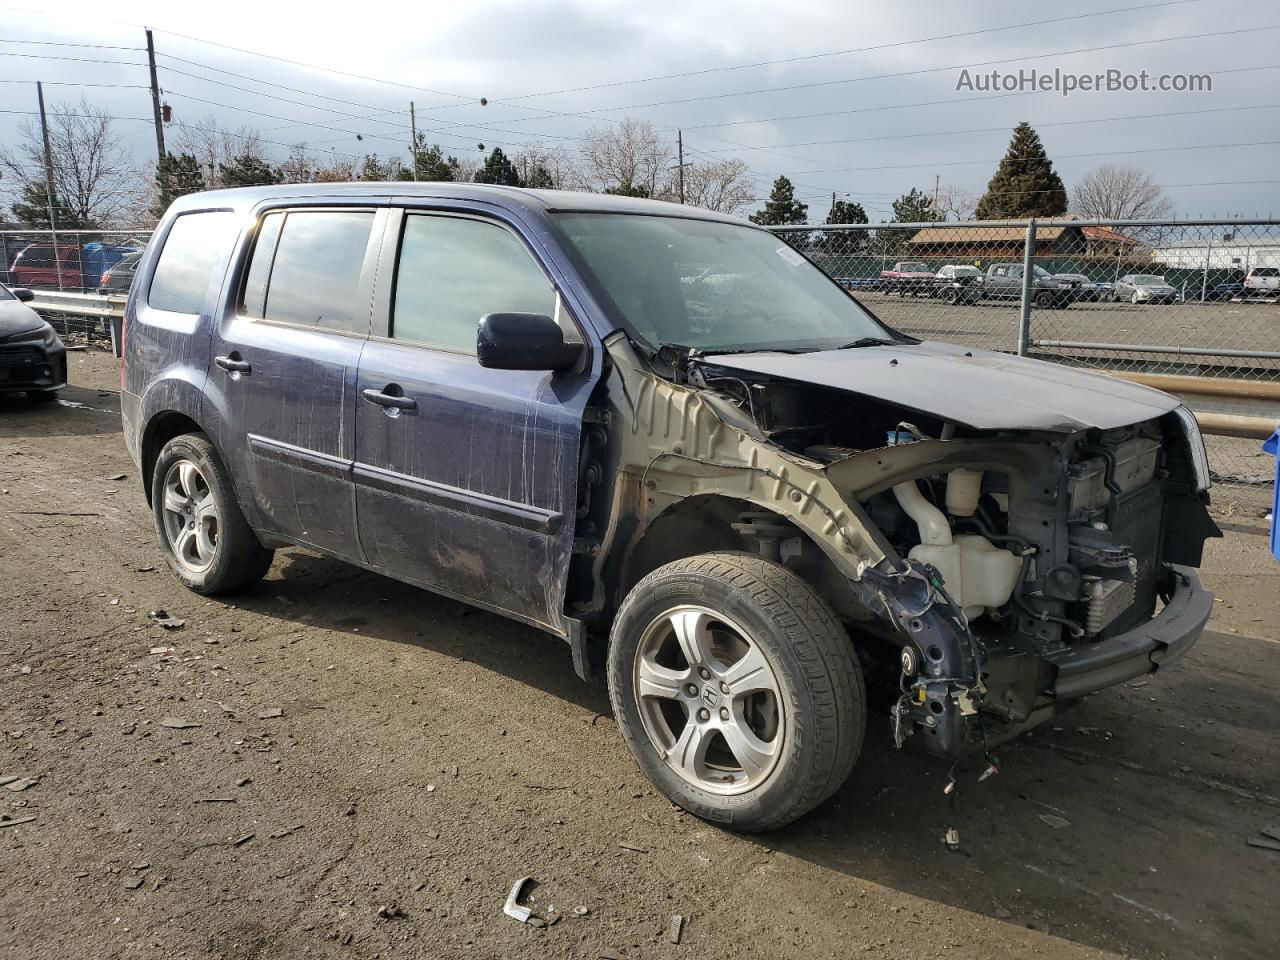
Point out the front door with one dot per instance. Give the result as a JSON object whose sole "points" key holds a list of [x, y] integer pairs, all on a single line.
{"points": [[284, 359], [466, 477]]}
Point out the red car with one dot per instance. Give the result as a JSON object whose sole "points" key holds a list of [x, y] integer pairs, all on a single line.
{"points": [[906, 277], [36, 266]]}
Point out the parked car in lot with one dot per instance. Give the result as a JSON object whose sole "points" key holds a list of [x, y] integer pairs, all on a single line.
{"points": [[958, 283], [535, 402], [41, 265], [1225, 291], [1087, 290], [1144, 288], [907, 277], [1004, 282], [33, 359], [1262, 281], [118, 278]]}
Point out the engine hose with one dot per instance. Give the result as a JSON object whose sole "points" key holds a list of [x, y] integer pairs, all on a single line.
{"points": [[1076, 630]]}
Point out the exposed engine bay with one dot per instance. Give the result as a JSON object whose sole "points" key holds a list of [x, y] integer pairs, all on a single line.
{"points": [[1021, 566]]}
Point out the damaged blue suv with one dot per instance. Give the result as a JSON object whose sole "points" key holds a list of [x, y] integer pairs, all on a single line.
{"points": [[665, 436]]}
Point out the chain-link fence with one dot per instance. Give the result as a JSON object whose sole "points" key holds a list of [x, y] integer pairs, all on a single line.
{"points": [[73, 262], [1192, 307]]}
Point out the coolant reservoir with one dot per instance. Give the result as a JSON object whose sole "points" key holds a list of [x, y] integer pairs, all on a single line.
{"points": [[976, 573], [963, 489]]}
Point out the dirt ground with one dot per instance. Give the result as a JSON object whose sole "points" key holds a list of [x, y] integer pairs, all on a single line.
{"points": [[337, 765]]}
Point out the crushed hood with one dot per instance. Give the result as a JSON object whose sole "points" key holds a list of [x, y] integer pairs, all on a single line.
{"points": [[977, 388]]}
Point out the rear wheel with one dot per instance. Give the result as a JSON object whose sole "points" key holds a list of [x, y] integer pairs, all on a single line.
{"points": [[736, 689], [1044, 299], [204, 537]]}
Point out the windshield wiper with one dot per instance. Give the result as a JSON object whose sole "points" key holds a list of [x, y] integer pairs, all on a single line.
{"points": [[870, 342]]}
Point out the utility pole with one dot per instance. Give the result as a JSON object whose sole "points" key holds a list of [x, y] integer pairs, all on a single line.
{"points": [[680, 162], [937, 181], [413, 132], [155, 95], [48, 181]]}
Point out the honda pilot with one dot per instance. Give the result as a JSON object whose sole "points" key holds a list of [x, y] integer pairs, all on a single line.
{"points": [[666, 437]]}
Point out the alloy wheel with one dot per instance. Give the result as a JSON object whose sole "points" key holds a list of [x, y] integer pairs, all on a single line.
{"points": [[709, 700], [190, 516]]}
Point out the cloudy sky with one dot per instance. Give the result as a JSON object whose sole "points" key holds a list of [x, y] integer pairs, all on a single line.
{"points": [[771, 83]]}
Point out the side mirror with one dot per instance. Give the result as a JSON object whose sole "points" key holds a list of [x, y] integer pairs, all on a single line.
{"points": [[23, 294], [523, 341]]}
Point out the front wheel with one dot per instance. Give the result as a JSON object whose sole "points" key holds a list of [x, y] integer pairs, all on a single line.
{"points": [[205, 538], [42, 396], [736, 689]]}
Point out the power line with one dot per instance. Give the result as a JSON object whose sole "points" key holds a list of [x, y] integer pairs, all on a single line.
{"points": [[921, 71], [1039, 125], [45, 56], [62, 43], [839, 53]]}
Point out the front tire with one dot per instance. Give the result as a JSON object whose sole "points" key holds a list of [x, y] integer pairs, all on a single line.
{"points": [[203, 535], [42, 396], [736, 689]]}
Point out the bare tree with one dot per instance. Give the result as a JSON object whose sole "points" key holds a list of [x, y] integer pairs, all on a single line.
{"points": [[562, 169], [300, 166], [94, 179], [721, 185], [213, 147], [1119, 193], [628, 154], [957, 202]]}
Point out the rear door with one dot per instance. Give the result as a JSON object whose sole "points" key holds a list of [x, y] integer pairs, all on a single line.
{"points": [[284, 358], [467, 482]]}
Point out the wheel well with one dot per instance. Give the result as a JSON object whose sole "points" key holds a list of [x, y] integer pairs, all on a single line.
{"points": [[707, 523], [162, 428]]}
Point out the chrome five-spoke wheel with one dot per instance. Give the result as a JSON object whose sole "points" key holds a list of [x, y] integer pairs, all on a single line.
{"points": [[190, 516], [709, 699]]}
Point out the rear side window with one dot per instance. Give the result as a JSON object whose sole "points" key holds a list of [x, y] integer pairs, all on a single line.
{"points": [[453, 271], [305, 269], [37, 257], [196, 244]]}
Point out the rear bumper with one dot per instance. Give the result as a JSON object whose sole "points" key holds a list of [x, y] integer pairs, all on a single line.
{"points": [[1088, 668]]}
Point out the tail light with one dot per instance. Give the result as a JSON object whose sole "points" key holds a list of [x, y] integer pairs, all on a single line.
{"points": [[104, 279]]}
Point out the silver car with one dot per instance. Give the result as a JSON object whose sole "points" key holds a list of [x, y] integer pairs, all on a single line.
{"points": [[1144, 288]]}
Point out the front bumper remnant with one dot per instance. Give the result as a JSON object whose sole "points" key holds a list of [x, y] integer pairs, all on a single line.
{"points": [[1087, 668]]}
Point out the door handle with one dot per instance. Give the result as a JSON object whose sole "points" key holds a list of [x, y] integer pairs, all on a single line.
{"points": [[387, 400], [233, 366]]}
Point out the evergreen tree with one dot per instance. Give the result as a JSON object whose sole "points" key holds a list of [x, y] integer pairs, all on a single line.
{"points": [[1025, 184], [845, 241], [539, 178], [498, 169], [915, 206], [432, 163], [374, 170], [627, 189], [782, 207], [175, 177], [32, 209], [247, 170]]}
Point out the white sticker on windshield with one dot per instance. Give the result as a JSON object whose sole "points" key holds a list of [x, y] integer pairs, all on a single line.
{"points": [[789, 255]]}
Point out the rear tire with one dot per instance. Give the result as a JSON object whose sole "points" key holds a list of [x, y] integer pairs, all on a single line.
{"points": [[203, 534], [769, 720]]}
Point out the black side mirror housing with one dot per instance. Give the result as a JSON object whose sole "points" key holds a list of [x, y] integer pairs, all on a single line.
{"points": [[23, 294], [523, 341]]}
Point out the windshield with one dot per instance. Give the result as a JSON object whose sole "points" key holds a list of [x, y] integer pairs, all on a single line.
{"points": [[1038, 272], [714, 286], [965, 272], [1148, 278], [913, 268], [1266, 272]]}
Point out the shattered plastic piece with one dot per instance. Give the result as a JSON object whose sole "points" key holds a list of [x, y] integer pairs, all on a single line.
{"points": [[5, 822], [952, 838], [270, 714], [676, 929], [161, 651], [581, 911], [1273, 832], [1055, 821], [241, 841], [163, 618], [1260, 842], [991, 771], [134, 883], [19, 785], [512, 908]]}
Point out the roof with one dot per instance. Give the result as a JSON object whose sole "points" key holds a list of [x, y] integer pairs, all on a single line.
{"points": [[539, 201], [1050, 228]]}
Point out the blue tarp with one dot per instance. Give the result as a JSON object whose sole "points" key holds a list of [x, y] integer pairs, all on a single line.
{"points": [[1272, 446]]}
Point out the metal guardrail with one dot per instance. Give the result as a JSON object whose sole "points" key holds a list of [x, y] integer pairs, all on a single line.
{"points": [[106, 310]]}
